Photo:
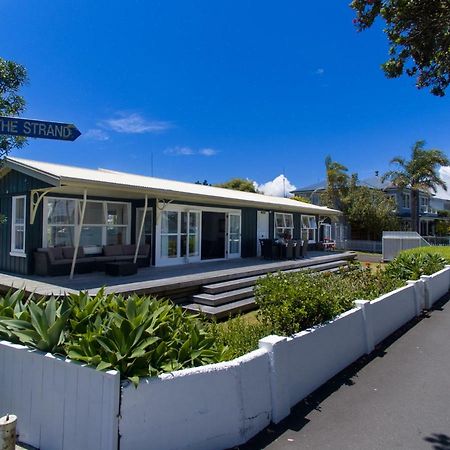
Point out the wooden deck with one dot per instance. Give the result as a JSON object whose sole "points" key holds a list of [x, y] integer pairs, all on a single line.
{"points": [[176, 282]]}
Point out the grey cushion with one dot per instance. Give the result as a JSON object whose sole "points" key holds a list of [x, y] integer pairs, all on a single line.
{"points": [[103, 258], [123, 258], [112, 250], [129, 249], [69, 251], [55, 253]]}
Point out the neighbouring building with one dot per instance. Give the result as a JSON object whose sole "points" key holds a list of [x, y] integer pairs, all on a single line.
{"points": [[429, 205], [47, 204]]}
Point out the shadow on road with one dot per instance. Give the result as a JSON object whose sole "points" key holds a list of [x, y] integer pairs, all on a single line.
{"points": [[348, 377], [439, 441]]}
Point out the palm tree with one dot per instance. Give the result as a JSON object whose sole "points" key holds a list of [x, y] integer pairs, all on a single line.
{"points": [[420, 173], [337, 182]]}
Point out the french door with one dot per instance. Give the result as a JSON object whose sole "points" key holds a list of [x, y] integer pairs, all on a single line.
{"points": [[180, 232], [234, 235]]}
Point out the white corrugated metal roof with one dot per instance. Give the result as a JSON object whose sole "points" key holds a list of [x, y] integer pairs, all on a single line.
{"points": [[161, 188]]}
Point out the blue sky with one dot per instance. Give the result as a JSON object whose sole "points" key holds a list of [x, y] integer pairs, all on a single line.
{"points": [[215, 89]]}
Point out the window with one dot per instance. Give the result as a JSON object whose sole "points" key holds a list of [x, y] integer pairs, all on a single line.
{"points": [[406, 201], [424, 204], [284, 226], [105, 223], [18, 225], [309, 227]]}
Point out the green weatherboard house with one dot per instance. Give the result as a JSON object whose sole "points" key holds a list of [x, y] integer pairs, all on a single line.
{"points": [[50, 208]]}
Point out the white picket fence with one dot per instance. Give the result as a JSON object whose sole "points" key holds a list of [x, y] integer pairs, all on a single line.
{"points": [[62, 405]]}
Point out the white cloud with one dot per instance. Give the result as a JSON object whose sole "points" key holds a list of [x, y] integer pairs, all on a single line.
{"points": [[179, 151], [96, 134], [134, 123], [278, 187], [319, 71], [207, 152], [188, 151], [444, 173]]}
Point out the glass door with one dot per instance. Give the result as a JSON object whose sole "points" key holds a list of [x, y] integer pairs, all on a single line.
{"points": [[189, 235], [234, 235]]}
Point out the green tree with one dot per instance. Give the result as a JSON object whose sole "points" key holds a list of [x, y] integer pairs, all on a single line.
{"points": [[12, 77], [238, 184], [337, 183], [418, 32], [299, 198], [420, 173], [370, 212]]}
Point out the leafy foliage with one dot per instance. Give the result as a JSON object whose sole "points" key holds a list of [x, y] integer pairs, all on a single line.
{"points": [[419, 36], [12, 77], [411, 266], [292, 302], [443, 251], [238, 184], [139, 336], [239, 335], [370, 212]]}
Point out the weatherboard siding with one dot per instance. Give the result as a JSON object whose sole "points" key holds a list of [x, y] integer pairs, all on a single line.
{"points": [[11, 185]]}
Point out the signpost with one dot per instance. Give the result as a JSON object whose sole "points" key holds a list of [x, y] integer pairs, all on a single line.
{"points": [[13, 126]]}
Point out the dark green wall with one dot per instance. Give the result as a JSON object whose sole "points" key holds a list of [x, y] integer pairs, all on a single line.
{"points": [[248, 232], [13, 184]]}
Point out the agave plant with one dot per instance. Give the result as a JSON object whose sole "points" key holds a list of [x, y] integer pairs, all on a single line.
{"points": [[40, 325]]}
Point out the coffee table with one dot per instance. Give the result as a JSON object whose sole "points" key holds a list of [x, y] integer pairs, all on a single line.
{"points": [[121, 268]]}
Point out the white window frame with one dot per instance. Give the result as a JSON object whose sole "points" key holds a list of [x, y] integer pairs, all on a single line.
{"points": [[406, 196], [77, 214], [14, 251], [314, 228], [285, 224], [164, 261]]}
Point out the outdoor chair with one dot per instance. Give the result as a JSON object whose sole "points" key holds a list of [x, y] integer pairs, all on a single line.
{"points": [[290, 250], [297, 249], [267, 251], [304, 249]]}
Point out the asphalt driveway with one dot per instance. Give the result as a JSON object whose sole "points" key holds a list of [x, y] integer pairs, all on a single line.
{"points": [[397, 398]]}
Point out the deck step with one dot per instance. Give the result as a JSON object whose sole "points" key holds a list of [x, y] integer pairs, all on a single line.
{"points": [[224, 297], [241, 283], [223, 311]]}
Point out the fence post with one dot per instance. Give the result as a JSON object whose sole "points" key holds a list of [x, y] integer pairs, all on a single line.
{"points": [[419, 294], [427, 299], [365, 306], [277, 348]]}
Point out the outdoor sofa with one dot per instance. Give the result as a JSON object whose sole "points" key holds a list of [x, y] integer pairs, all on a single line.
{"points": [[58, 260]]}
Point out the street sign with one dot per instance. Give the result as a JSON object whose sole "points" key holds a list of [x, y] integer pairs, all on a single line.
{"points": [[13, 126]]}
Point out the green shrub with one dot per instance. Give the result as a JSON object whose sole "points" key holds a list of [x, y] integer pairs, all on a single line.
{"points": [[292, 302], [239, 335], [138, 336], [411, 265], [443, 251]]}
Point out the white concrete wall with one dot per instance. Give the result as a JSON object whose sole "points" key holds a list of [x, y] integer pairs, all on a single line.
{"points": [[436, 286], [391, 311], [211, 407], [304, 362], [60, 405]]}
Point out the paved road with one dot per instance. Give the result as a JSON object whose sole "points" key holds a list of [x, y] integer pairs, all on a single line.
{"points": [[399, 398]]}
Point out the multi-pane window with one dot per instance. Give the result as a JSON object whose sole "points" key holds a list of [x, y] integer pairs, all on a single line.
{"points": [[18, 225], [284, 226], [309, 228], [406, 200], [424, 204], [104, 223]]}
